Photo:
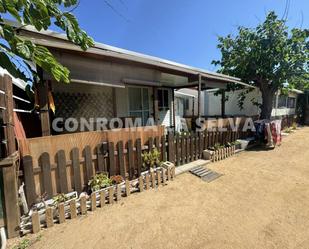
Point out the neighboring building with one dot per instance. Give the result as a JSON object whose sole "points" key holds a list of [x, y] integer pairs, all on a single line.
{"points": [[283, 105]]}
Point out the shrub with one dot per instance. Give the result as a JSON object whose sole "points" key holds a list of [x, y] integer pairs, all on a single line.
{"points": [[99, 181], [61, 198], [218, 146], [151, 159]]}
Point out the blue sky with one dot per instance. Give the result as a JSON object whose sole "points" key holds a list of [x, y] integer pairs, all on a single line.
{"points": [[184, 31]]}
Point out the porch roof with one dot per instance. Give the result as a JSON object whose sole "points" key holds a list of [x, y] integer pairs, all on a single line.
{"points": [[57, 40]]}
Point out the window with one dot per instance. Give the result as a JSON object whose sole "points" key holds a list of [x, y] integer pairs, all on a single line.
{"points": [[163, 99], [291, 102], [186, 105], [282, 101], [139, 103]]}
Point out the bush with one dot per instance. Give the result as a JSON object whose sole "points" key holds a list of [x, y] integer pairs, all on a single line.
{"points": [[61, 198], [151, 159], [99, 181]]}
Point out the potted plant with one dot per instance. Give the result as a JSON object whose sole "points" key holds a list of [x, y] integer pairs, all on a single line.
{"points": [[151, 159], [99, 181], [64, 198], [209, 153], [237, 145], [117, 179]]}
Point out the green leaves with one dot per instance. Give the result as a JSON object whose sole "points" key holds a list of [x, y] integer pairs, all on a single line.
{"points": [[43, 58], [5, 62], [266, 56], [25, 49], [69, 24], [40, 14]]}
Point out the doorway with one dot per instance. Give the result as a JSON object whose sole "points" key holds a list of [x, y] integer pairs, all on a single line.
{"points": [[139, 103]]}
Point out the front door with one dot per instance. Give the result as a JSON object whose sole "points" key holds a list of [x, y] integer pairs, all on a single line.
{"points": [[139, 103]]}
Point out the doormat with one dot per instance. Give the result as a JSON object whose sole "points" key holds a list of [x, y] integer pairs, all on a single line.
{"points": [[205, 174]]}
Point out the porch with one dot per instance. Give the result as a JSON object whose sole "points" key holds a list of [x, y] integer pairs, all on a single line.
{"points": [[109, 82]]}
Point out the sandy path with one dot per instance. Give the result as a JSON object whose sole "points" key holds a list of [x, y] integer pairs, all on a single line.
{"points": [[260, 202]]}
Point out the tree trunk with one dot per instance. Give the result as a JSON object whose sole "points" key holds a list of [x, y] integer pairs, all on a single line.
{"points": [[267, 103]]}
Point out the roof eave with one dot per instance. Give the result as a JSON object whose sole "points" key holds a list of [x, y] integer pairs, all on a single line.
{"points": [[107, 50]]}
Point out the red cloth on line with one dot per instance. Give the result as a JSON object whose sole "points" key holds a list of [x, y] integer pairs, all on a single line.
{"points": [[276, 131]]}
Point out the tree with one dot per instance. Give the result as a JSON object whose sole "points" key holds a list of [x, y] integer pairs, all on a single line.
{"points": [[267, 57], [18, 55]]}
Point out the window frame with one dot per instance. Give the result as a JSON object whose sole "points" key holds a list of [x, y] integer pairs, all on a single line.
{"points": [[163, 103]]}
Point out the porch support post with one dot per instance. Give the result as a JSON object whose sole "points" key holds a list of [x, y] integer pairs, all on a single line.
{"points": [[155, 105], [42, 89], [173, 109], [199, 96], [223, 104], [114, 102]]}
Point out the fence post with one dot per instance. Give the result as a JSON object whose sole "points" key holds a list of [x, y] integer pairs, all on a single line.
{"points": [[171, 146], [6, 85], [9, 164], [11, 206]]}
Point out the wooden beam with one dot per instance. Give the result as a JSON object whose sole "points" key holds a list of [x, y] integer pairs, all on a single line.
{"points": [[199, 95], [6, 85], [173, 109], [114, 102], [42, 90], [223, 104], [155, 105], [9, 174]]}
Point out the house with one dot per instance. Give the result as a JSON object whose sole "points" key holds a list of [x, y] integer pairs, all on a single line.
{"points": [[111, 82], [283, 105]]}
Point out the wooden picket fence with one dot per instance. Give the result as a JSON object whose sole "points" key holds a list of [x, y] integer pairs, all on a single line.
{"points": [[47, 217], [223, 153], [66, 175], [189, 146]]}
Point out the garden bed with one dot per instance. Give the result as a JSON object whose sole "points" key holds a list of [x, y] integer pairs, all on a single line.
{"points": [[220, 152], [48, 213]]}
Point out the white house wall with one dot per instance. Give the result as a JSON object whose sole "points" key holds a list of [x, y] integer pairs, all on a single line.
{"points": [[193, 102], [213, 104], [249, 109]]}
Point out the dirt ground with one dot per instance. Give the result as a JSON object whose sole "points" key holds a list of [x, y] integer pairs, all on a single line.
{"points": [[262, 201]]}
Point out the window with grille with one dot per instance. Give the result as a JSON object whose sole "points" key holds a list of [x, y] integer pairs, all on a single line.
{"points": [[163, 99], [282, 101], [291, 102]]}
